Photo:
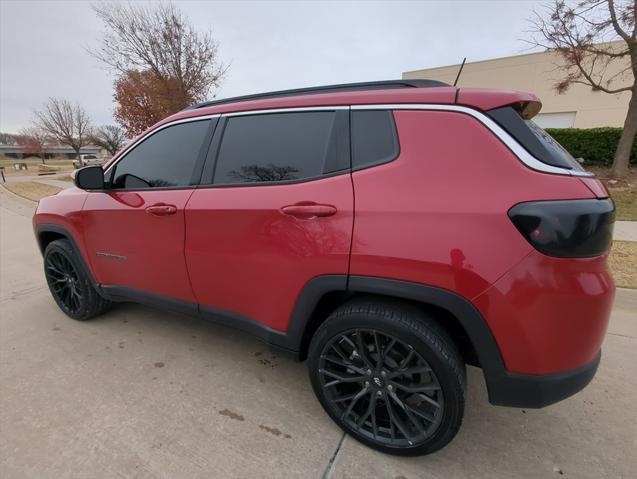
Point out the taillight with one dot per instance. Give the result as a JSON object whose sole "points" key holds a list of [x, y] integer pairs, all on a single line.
{"points": [[566, 228]]}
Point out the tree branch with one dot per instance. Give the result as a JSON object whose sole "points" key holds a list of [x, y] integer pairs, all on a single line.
{"points": [[615, 23]]}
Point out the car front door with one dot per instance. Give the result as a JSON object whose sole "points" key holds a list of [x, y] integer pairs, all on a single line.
{"points": [[134, 230], [278, 212]]}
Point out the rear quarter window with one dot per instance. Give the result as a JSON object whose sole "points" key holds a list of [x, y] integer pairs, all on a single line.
{"points": [[533, 138], [374, 138]]}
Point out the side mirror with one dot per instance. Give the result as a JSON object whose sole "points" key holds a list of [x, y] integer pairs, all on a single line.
{"points": [[90, 178]]}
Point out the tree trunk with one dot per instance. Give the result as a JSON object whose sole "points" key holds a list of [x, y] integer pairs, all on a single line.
{"points": [[626, 141]]}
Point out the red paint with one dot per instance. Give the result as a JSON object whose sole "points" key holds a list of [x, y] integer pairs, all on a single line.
{"points": [[486, 99], [596, 186], [549, 314], [247, 256], [119, 223], [437, 215]]}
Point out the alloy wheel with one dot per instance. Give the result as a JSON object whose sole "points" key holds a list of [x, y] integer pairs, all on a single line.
{"points": [[64, 281], [380, 387]]}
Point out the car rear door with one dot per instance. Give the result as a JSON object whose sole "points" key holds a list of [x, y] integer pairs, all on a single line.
{"points": [[278, 212], [134, 230]]}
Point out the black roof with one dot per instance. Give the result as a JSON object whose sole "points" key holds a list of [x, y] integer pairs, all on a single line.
{"points": [[373, 85]]}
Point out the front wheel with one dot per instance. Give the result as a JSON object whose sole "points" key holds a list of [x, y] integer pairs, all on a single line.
{"points": [[69, 283], [389, 376]]}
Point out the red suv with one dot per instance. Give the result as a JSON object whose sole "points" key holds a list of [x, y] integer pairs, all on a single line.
{"points": [[387, 232]]}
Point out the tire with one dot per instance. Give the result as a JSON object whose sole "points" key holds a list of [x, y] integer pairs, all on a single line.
{"points": [[70, 283], [409, 399]]}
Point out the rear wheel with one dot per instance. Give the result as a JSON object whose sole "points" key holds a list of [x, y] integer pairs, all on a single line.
{"points": [[70, 284], [389, 376]]}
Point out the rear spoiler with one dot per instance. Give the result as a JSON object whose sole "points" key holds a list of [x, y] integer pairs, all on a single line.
{"points": [[527, 104]]}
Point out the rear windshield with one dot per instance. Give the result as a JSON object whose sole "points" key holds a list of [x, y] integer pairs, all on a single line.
{"points": [[534, 139]]}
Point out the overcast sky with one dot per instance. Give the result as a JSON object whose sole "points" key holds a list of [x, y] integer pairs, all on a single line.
{"points": [[269, 45]]}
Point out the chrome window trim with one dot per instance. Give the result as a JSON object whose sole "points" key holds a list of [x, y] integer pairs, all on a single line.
{"points": [[519, 151], [152, 132], [523, 155], [225, 115]]}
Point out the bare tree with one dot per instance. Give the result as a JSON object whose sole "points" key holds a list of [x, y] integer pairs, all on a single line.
{"points": [[256, 173], [161, 41], [584, 34], [7, 139], [109, 137], [67, 123], [34, 142]]}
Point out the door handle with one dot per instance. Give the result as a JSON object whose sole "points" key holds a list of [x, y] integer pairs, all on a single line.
{"points": [[307, 211], [161, 209]]}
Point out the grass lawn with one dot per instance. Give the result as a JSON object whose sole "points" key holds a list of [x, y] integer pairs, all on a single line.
{"points": [[33, 165], [623, 263], [625, 203], [623, 192], [31, 190]]}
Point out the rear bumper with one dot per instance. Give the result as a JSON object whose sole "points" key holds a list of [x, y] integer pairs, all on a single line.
{"points": [[549, 315], [531, 391]]}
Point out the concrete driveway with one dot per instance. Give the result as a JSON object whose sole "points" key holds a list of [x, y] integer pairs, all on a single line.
{"points": [[144, 393]]}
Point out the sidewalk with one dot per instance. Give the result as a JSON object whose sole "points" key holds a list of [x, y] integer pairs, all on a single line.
{"points": [[53, 182], [625, 231]]}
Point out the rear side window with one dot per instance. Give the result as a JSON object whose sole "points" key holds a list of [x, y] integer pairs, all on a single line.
{"points": [[276, 147], [534, 139], [374, 139], [166, 159]]}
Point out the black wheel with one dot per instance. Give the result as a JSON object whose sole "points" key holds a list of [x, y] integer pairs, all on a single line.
{"points": [[70, 284], [389, 376]]}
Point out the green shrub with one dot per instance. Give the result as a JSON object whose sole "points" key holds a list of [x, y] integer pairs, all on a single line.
{"points": [[596, 145]]}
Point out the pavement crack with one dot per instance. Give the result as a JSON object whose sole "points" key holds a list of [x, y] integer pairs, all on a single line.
{"points": [[330, 465], [622, 335], [24, 292]]}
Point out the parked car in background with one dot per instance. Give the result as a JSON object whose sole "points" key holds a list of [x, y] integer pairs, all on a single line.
{"points": [[86, 160], [389, 233]]}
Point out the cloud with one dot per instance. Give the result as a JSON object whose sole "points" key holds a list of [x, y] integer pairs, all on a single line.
{"points": [[269, 45]]}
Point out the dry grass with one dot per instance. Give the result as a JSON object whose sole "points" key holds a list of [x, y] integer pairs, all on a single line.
{"points": [[33, 165], [625, 203], [31, 190], [623, 192], [623, 263], [64, 178]]}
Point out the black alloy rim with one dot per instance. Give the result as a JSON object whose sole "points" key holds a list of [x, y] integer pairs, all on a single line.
{"points": [[380, 387], [64, 281]]}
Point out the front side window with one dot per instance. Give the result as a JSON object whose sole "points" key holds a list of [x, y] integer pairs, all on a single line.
{"points": [[276, 147], [165, 159]]}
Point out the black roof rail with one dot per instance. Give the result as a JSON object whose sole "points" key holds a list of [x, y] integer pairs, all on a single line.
{"points": [[372, 85]]}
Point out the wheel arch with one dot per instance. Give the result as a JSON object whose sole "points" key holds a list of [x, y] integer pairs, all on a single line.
{"points": [[46, 233], [453, 312], [46, 236]]}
